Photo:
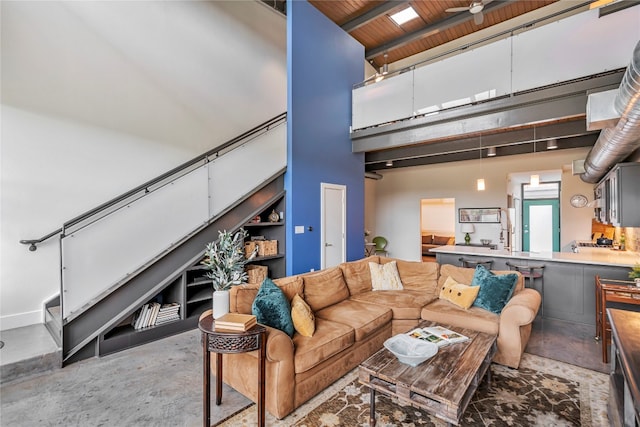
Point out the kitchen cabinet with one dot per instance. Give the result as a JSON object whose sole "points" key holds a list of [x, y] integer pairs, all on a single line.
{"points": [[618, 196]]}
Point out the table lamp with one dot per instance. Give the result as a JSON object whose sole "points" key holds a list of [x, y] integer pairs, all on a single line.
{"points": [[467, 228]]}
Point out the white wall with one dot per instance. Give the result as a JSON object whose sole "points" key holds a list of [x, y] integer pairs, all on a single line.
{"points": [[438, 216], [399, 193], [98, 97]]}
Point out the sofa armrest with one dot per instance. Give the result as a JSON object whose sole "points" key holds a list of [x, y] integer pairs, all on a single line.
{"points": [[279, 346], [515, 327], [521, 308]]}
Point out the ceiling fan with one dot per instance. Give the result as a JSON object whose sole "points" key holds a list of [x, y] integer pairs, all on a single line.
{"points": [[475, 8]]}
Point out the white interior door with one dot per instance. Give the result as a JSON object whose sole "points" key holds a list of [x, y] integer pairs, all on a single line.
{"points": [[334, 214]]}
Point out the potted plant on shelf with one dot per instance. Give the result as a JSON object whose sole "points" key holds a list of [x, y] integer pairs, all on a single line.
{"points": [[635, 274], [225, 259]]}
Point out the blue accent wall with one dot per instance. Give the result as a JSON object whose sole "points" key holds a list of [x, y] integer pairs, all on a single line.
{"points": [[323, 63]]}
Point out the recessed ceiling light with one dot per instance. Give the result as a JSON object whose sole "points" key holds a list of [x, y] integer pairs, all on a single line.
{"points": [[404, 15]]}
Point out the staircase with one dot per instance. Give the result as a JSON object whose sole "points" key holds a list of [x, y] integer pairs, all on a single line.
{"points": [[95, 319]]}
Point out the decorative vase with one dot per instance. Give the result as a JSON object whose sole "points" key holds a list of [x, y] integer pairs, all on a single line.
{"points": [[220, 303], [273, 216]]}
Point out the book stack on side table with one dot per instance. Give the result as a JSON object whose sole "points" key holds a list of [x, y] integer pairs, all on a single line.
{"points": [[235, 322]]}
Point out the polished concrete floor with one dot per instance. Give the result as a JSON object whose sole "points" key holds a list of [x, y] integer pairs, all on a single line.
{"points": [[568, 342], [159, 383]]}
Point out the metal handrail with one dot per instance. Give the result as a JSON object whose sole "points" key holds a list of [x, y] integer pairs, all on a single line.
{"points": [[145, 187]]}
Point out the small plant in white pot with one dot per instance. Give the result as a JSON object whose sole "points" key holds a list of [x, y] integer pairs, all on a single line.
{"points": [[225, 259], [635, 274]]}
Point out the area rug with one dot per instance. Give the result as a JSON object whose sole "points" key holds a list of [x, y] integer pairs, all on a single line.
{"points": [[543, 392]]}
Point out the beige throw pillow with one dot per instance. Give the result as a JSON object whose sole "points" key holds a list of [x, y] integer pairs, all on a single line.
{"points": [[385, 277]]}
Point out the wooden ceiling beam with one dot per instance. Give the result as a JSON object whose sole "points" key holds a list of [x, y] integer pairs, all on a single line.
{"points": [[372, 14], [431, 29]]}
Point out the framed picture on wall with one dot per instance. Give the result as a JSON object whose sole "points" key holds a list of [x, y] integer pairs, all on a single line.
{"points": [[487, 215]]}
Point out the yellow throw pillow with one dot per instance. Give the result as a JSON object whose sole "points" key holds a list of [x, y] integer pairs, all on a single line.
{"points": [[461, 295], [385, 277], [304, 321]]}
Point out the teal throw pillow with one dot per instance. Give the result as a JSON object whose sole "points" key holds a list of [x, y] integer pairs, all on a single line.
{"points": [[271, 307], [495, 289]]}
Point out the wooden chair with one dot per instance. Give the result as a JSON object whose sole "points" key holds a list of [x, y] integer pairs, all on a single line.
{"points": [[612, 291]]}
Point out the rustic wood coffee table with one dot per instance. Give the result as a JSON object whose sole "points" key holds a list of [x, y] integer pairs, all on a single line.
{"points": [[442, 385]]}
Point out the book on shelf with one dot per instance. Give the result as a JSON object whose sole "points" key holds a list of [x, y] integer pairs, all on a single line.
{"points": [[154, 313], [235, 322], [438, 335]]}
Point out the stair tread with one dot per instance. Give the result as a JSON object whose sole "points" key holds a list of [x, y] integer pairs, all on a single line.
{"points": [[25, 343]]}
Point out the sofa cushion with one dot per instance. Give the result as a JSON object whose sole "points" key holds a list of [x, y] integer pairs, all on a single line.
{"points": [[417, 275], [241, 297], [290, 285], [324, 288], [495, 289], [465, 275], [446, 313], [459, 294], [330, 338], [365, 319], [357, 275], [304, 322], [385, 277], [405, 304], [427, 240], [272, 308], [441, 240]]}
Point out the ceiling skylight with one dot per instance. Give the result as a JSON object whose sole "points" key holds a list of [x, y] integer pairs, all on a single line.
{"points": [[404, 15]]}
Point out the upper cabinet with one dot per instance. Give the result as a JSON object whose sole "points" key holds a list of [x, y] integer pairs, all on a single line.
{"points": [[619, 196]]}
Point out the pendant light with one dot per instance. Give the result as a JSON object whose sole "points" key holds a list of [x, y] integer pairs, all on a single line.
{"points": [[480, 181]]}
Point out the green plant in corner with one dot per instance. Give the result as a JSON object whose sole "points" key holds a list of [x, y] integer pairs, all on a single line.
{"points": [[635, 272], [225, 258]]}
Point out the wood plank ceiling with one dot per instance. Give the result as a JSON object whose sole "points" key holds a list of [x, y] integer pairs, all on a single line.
{"points": [[368, 22]]}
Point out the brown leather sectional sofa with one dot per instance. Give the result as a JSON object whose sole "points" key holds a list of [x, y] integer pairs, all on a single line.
{"points": [[431, 241], [352, 323]]}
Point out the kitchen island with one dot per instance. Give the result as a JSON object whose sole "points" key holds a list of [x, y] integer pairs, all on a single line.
{"points": [[569, 278]]}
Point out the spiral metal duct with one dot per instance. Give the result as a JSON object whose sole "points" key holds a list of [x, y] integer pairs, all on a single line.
{"points": [[615, 144]]}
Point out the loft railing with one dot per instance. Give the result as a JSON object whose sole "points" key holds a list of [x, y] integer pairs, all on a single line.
{"points": [[104, 246], [502, 65]]}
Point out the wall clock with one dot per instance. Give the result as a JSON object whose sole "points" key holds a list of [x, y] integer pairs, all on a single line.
{"points": [[578, 201]]}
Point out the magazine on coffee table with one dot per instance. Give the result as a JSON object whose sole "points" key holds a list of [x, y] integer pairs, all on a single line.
{"points": [[438, 335]]}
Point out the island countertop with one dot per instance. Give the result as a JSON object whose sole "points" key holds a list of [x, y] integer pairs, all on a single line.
{"points": [[589, 256]]}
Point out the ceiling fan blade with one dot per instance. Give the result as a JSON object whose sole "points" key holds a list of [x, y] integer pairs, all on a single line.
{"points": [[478, 18], [456, 9], [486, 2]]}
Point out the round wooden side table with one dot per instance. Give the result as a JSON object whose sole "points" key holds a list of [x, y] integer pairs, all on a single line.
{"points": [[221, 342]]}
